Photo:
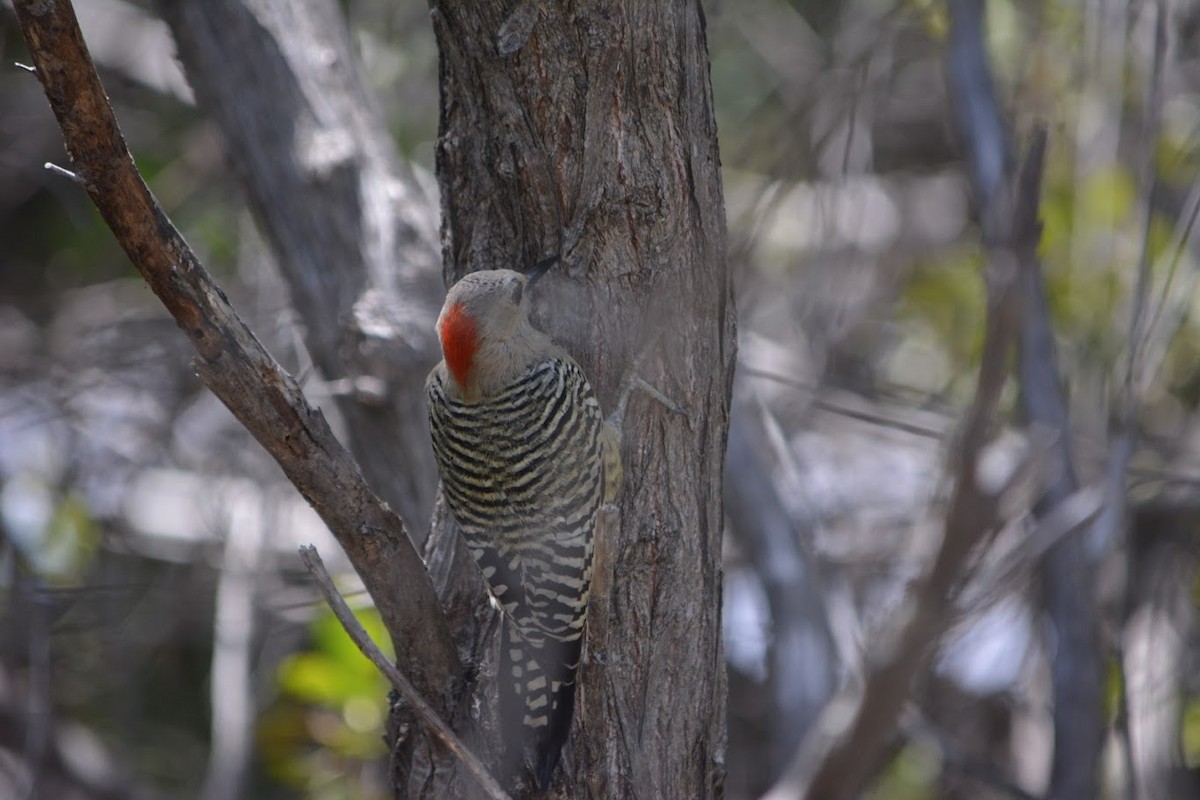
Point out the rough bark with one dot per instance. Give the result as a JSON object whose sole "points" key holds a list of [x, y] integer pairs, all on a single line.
{"points": [[354, 232], [586, 131], [593, 138]]}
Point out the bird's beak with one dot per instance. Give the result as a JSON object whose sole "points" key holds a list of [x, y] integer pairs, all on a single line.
{"points": [[539, 269]]}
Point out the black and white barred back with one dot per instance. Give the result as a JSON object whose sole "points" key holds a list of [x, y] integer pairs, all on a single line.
{"points": [[524, 475]]}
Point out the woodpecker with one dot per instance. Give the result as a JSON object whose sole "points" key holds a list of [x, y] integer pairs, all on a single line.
{"points": [[526, 462]]}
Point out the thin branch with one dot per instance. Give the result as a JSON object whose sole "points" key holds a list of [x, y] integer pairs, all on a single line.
{"points": [[1149, 184], [1168, 312], [834, 406], [50, 166], [362, 640], [851, 738], [231, 699], [1067, 584], [234, 365], [973, 101], [802, 657], [1068, 580], [995, 580], [1136, 359]]}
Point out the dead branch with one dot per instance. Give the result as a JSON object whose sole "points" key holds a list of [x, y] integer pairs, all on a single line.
{"points": [[264, 398]]}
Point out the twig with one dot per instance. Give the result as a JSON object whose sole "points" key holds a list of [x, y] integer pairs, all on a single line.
{"points": [[1162, 322], [232, 362], [50, 166], [1149, 184], [881, 419], [316, 567], [1068, 517], [802, 652]]}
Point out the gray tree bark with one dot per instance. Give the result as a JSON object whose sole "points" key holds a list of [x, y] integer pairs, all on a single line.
{"points": [[585, 131], [582, 131]]}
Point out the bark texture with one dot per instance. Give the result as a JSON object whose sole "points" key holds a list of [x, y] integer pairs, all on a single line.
{"points": [[585, 130]]}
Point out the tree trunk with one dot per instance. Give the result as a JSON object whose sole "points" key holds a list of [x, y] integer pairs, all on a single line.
{"points": [[586, 131]]}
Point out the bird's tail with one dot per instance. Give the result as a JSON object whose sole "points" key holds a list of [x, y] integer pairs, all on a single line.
{"points": [[537, 699]]}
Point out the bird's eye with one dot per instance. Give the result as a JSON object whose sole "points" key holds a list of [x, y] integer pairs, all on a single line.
{"points": [[518, 291]]}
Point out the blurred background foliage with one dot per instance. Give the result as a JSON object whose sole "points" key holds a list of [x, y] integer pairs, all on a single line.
{"points": [[147, 546], [323, 732]]}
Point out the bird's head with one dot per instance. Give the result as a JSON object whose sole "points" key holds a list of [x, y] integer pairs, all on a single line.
{"points": [[485, 323]]}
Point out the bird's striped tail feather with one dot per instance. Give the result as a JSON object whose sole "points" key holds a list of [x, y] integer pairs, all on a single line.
{"points": [[537, 699]]}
